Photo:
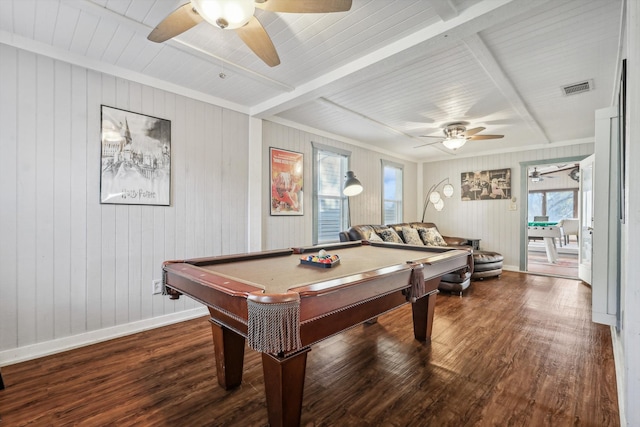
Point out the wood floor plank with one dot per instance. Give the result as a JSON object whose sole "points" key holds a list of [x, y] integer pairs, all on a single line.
{"points": [[516, 351]]}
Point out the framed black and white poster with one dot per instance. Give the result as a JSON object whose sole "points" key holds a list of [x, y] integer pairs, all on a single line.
{"points": [[135, 158], [486, 185]]}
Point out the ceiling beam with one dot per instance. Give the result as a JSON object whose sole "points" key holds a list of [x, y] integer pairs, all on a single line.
{"points": [[445, 9], [495, 72], [470, 21]]}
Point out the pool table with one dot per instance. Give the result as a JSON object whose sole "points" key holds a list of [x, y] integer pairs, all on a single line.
{"points": [[282, 307]]}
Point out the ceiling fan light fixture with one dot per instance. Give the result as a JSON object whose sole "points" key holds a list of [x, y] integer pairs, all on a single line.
{"points": [[226, 14], [454, 143]]}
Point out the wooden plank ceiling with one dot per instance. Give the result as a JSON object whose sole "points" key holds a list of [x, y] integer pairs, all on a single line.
{"points": [[382, 74]]}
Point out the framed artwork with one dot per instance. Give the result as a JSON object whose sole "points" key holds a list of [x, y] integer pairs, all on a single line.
{"points": [[286, 172], [135, 158], [486, 185]]}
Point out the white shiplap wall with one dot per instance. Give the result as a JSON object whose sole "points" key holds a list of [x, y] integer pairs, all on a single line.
{"points": [[489, 220], [366, 208], [70, 265]]}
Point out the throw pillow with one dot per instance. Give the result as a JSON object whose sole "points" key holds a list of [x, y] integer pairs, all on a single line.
{"points": [[389, 235], [411, 236], [431, 237], [373, 237]]}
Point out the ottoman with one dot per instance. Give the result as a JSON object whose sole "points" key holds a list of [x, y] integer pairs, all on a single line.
{"points": [[486, 264], [455, 282]]}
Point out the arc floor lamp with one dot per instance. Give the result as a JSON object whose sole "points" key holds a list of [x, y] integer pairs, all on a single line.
{"points": [[433, 196]]}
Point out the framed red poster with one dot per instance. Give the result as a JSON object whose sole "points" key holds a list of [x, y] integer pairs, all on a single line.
{"points": [[286, 174]]}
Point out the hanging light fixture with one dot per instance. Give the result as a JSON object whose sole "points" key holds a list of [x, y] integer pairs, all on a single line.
{"points": [[455, 142], [226, 14]]}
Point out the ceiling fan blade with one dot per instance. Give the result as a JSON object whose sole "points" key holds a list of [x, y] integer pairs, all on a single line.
{"points": [[179, 21], [477, 137], [304, 6], [429, 136], [255, 36], [470, 132]]}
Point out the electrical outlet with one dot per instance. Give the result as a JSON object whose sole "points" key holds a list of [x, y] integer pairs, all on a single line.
{"points": [[156, 286]]}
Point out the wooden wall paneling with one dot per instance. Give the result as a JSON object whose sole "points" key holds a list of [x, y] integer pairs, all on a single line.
{"points": [[141, 100], [94, 208], [235, 139], [78, 190], [113, 95], [153, 101], [167, 100], [212, 127], [178, 165], [62, 200], [81, 265], [9, 190], [272, 138], [134, 292], [179, 143], [136, 289], [192, 148], [127, 97], [130, 289], [26, 247], [44, 173], [199, 177]]}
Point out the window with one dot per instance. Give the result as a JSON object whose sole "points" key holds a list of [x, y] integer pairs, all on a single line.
{"points": [[556, 204], [330, 205], [391, 192]]}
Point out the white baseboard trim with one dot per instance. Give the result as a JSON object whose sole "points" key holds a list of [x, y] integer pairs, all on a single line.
{"points": [[618, 358], [34, 351]]}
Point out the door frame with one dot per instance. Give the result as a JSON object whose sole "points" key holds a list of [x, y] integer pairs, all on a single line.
{"points": [[524, 199]]}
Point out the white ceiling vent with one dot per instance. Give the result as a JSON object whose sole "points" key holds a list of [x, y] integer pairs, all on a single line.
{"points": [[576, 88]]}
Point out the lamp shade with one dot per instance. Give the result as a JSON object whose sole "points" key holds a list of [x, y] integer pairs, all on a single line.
{"points": [[225, 13], [434, 196], [439, 205], [447, 190], [352, 187], [454, 143]]}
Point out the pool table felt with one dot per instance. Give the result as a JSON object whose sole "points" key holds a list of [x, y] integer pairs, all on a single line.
{"points": [[280, 274]]}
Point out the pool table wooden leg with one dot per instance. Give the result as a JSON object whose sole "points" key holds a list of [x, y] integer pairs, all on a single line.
{"points": [[229, 351], [423, 310], [284, 386]]}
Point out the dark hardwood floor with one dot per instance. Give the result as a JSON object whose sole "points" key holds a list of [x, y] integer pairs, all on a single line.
{"points": [[516, 351]]}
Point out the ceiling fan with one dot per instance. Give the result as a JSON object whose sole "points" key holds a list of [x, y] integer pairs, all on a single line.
{"points": [[456, 135], [535, 175], [238, 15]]}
